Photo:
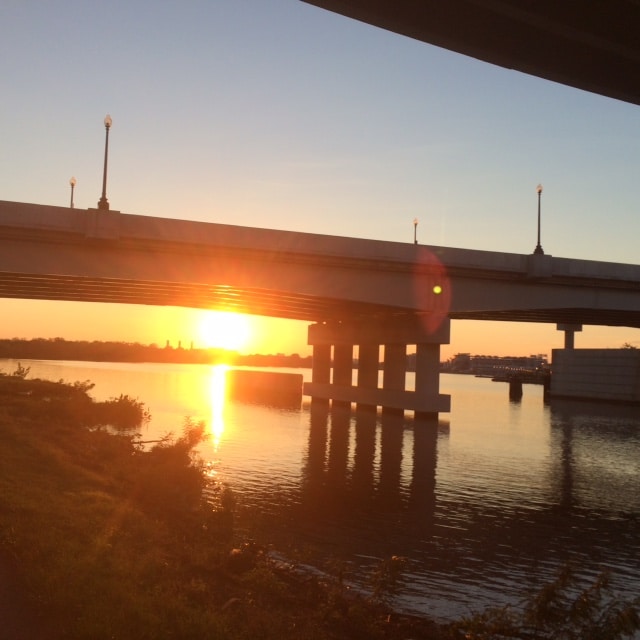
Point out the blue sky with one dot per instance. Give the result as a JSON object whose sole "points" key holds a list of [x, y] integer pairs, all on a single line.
{"points": [[277, 114]]}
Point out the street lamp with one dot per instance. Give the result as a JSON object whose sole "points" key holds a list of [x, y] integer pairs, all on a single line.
{"points": [[538, 249], [72, 182], [415, 231], [103, 203]]}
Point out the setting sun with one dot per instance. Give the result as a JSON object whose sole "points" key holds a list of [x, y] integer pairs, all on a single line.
{"points": [[224, 330]]}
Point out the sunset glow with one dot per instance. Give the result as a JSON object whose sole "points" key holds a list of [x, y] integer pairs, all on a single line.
{"points": [[224, 330], [218, 398]]}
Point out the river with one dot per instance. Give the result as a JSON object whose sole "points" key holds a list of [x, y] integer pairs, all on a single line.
{"points": [[485, 506]]}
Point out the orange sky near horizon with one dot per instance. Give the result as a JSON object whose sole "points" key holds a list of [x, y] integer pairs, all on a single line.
{"points": [[148, 325]]}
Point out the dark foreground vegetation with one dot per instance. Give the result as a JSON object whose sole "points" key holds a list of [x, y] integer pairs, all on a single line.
{"points": [[104, 537]]}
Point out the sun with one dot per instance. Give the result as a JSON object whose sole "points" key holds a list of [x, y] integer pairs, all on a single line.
{"points": [[224, 330]]}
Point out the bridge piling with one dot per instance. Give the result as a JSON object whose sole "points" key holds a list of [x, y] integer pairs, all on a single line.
{"points": [[394, 373], [368, 364], [342, 369], [569, 333], [321, 371], [331, 378], [427, 372]]}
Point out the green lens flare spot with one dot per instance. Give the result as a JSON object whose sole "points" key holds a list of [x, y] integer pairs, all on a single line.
{"points": [[437, 289]]}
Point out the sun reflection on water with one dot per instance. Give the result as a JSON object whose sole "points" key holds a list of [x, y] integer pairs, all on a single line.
{"points": [[218, 396]]}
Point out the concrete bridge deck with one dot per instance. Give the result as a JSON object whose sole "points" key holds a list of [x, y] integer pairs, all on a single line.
{"points": [[59, 253]]}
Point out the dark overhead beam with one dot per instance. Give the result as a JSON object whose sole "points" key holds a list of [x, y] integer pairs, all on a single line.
{"points": [[593, 46], [264, 302]]}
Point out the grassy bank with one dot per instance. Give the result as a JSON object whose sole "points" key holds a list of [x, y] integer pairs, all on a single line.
{"points": [[111, 541]]}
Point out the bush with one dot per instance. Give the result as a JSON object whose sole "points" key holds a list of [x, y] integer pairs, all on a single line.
{"points": [[168, 479], [50, 402], [122, 412], [561, 610]]}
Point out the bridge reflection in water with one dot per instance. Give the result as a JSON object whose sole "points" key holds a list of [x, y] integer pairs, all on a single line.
{"points": [[371, 488], [366, 477], [348, 470]]}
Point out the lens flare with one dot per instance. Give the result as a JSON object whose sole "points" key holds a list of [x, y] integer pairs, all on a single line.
{"points": [[431, 289], [224, 330]]}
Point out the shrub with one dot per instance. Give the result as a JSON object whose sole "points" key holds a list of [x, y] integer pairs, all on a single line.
{"points": [[168, 479], [561, 610], [21, 372], [122, 412]]}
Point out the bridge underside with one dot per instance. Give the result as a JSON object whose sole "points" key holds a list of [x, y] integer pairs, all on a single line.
{"points": [[592, 46], [561, 316], [255, 301], [267, 302]]}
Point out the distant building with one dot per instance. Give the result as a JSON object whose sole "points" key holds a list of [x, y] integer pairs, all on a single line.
{"points": [[496, 365]]}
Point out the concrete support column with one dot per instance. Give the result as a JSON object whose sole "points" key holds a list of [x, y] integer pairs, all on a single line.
{"points": [[321, 370], [427, 374], [569, 333], [394, 371], [368, 367], [342, 369]]}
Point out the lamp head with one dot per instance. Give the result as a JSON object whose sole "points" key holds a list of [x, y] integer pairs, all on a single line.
{"points": [[539, 189], [72, 181], [108, 121]]}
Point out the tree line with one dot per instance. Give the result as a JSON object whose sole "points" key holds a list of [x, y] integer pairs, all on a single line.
{"points": [[109, 351]]}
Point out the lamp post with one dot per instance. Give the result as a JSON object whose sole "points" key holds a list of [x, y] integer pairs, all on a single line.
{"points": [[103, 203], [415, 231], [538, 249], [72, 182]]}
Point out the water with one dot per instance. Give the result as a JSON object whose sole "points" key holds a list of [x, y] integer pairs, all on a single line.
{"points": [[485, 506]]}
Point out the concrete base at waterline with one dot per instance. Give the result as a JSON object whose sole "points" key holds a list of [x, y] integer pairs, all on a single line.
{"points": [[265, 387], [611, 375], [388, 398]]}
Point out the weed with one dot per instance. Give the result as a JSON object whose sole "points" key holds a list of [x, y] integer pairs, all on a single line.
{"points": [[560, 610], [386, 577], [21, 372]]}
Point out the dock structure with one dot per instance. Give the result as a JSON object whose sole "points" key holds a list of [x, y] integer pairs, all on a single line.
{"points": [[274, 388], [334, 346]]}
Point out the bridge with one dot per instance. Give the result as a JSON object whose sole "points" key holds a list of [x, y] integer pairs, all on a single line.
{"points": [[592, 46], [356, 292]]}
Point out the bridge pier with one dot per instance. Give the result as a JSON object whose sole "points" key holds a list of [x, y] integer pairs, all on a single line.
{"points": [[368, 366], [569, 333], [394, 371], [332, 371], [321, 371], [342, 369]]}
